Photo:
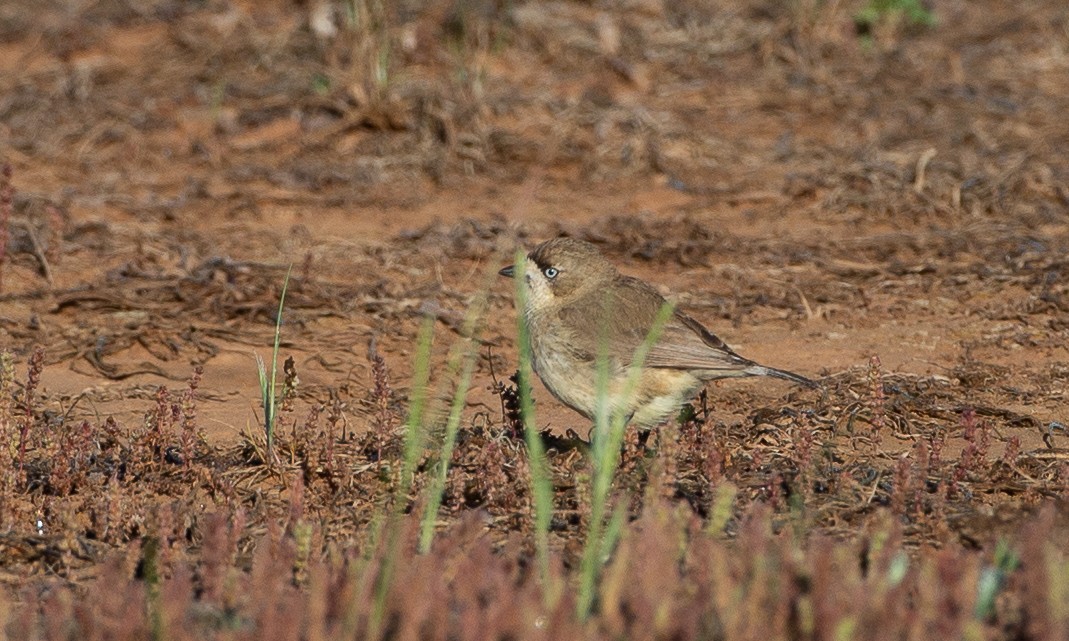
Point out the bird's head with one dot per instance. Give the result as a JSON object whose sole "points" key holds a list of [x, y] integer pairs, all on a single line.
{"points": [[561, 270]]}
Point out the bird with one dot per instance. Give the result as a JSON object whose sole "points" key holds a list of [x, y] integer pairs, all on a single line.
{"points": [[578, 309]]}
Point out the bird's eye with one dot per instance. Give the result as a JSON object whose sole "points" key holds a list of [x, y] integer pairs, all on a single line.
{"points": [[550, 272]]}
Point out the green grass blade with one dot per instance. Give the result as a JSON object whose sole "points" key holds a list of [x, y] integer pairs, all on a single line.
{"points": [[541, 482], [462, 359], [720, 512], [612, 532], [415, 430], [415, 437], [437, 488], [150, 564], [609, 427], [267, 387], [591, 559]]}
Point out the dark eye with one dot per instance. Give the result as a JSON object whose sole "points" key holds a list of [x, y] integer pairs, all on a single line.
{"points": [[550, 272]]}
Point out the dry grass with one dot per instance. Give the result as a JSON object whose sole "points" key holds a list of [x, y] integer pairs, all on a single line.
{"points": [[850, 494]]}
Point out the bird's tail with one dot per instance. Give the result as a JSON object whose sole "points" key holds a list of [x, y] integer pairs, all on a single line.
{"points": [[761, 370]]}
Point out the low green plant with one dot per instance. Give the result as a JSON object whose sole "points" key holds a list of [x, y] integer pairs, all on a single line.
{"points": [[911, 12], [268, 396], [883, 21], [993, 578]]}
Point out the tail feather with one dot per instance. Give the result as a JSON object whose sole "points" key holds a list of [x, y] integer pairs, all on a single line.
{"points": [[761, 370]]}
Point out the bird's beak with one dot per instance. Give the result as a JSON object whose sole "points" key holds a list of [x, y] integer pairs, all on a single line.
{"points": [[507, 271]]}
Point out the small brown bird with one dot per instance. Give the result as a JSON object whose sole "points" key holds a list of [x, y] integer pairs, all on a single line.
{"points": [[577, 303]]}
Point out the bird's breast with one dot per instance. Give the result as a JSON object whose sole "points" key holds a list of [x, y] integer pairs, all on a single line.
{"points": [[568, 376]]}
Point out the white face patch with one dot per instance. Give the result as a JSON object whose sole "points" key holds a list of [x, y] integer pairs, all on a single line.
{"points": [[539, 293]]}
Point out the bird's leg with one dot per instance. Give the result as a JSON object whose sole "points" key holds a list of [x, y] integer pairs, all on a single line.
{"points": [[643, 438]]}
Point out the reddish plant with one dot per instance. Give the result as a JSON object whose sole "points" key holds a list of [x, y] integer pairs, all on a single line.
{"points": [[7, 199], [33, 380], [190, 437]]}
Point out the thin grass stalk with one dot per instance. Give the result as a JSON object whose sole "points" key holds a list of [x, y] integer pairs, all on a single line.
{"points": [[1057, 573], [721, 511], [541, 483], [415, 430], [591, 554], [415, 437], [463, 359], [613, 530], [610, 422], [452, 427], [153, 602], [350, 622], [267, 388]]}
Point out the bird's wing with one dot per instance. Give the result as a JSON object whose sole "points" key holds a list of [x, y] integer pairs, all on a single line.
{"points": [[612, 321], [622, 316], [686, 344]]}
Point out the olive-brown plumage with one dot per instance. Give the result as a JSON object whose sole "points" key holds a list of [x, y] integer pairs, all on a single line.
{"points": [[578, 306]]}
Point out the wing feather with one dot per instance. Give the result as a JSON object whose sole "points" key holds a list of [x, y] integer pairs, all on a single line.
{"points": [[622, 317]]}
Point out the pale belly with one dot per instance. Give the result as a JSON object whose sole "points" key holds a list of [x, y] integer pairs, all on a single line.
{"points": [[656, 397]]}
